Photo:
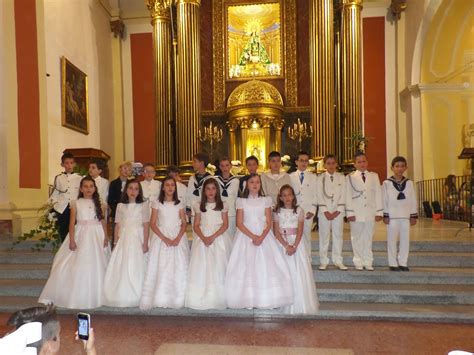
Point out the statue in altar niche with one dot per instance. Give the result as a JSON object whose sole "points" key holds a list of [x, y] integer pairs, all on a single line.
{"points": [[254, 40]]}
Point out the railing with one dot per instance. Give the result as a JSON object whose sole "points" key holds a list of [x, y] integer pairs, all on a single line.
{"points": [[455, 201]]}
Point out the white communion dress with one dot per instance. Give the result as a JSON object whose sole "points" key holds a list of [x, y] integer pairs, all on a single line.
{"points": [[77, 277], [126, 271], [257, 276], [304, 288], [167, 269], [207, 268]]}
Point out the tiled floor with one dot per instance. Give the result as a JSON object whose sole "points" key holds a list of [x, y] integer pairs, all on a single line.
{"points": [[132, 335]]}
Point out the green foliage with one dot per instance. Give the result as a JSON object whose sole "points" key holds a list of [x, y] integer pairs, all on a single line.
{"points": [[46, 234]]}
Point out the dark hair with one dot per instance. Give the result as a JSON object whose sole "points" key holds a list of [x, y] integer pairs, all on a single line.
{"points": [[99, 163], [399, 159], [252, 157], [280, 203], [67, 155], [95, 197], [148, 164], [46, 315], [246, 192], [161, 197], [274, 154], [450, 181], [139, 199], [329, 156], [359, 154], [172, 169], [301, 152], [203, 157], [221, 159], [219, 203]]}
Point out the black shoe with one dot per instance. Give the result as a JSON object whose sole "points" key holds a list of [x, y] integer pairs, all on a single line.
{"points": [[394, 268], [404, 268]]}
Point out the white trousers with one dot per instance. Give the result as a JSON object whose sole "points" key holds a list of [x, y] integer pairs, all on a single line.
{"points": [[398, 228], [308, 224], [232, 228], [362, 234], [336, 226]]}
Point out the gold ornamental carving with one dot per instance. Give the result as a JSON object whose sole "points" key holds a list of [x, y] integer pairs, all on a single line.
{"points": [[254, 92], [289, 49], [159, 9]]}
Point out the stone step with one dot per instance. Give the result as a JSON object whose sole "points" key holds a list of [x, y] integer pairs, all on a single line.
{"points": [[417, 259], [415, 246], [328, 311], [353, 293], [428, 276]]}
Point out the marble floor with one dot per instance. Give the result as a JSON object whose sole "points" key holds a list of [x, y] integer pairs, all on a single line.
{"points": [[117, 335]]}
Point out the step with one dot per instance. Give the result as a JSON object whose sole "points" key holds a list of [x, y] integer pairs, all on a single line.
{"points": [[328, 311], [416, 259], [428, 276], [354, 293], [415, 246]]}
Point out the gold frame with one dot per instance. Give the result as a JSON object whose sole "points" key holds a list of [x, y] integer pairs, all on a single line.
{"points": [[228, 4], [64, 63], [289, 50]]}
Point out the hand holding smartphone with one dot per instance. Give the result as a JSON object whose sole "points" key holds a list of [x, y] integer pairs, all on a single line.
{"points": [[83, 325]]}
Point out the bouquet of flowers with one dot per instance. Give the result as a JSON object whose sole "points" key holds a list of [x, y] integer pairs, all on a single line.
{"points": [[46, 233], [236, 167], [211, 169]]}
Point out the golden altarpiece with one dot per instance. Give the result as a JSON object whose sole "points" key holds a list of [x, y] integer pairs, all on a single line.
{"points": [[258, 49]]}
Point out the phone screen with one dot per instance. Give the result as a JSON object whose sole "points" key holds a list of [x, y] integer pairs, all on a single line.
{"points": [[83, 326]]}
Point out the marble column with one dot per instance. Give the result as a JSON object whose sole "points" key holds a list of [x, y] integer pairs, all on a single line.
{"points": [[161, 22], [188, 80], [321, 51]]}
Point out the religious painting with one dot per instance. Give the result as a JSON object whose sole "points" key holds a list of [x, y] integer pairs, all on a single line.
{"points": [[74, 101], [254, 40]]}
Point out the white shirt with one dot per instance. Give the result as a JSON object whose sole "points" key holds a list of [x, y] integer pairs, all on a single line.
{"points": [[272, 183], [151, 189], [363, 200], [102, 188], [400, 201], [194, 189], [229, 190], [65, 190], [331, 190], [306, 192], [182, 190]]}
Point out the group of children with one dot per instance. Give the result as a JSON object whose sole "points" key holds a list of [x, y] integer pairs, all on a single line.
{"points": [[251, 236]]}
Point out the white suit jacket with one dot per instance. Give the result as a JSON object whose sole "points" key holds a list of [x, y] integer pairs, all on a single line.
{"points": [[331, 194], [363, 200], [306, 194]]}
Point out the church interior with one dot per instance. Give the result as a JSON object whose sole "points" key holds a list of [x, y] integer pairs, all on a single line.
{"points": [[157, 81]]}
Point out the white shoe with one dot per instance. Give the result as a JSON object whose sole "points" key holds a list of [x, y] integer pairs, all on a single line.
{"points": [[369, 268], [359, 268], [341, 266], [323, 267]]}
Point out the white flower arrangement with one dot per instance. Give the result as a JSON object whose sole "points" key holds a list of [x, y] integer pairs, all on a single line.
{"points": [[211, 169], [236, 163]]}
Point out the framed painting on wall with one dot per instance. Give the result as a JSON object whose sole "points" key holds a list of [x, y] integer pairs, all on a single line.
{"points": [[74, 100]]}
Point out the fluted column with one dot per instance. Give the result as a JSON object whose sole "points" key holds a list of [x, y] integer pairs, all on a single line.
{"points": [[161, 22], [232, 126], [189, 79], [322, 76], [351, 73], [244, 127], [278, 124]]}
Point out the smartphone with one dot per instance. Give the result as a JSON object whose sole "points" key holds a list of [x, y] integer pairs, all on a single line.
{"points": [[83, 325]]}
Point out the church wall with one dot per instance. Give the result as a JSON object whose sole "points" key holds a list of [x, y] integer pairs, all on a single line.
{"points": [[80, 31], [374, 93]]}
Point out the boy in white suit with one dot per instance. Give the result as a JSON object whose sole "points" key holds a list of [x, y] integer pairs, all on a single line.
{"points": [[364, 207], [304, 184], [400, 211], [151, 187], [96, 168], [331, 200], [273, 180]]}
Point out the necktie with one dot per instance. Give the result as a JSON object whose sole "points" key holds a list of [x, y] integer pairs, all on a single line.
{"points": [[332, 178], [301, 177], [363, 177]]}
